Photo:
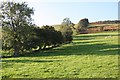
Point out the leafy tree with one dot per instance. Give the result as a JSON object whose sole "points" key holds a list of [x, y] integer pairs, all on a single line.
{"points": [[17, 26], [50, 36], [46, 37], [67, 30], [37, 38], [58, 38], [66, 22], [82, 25]]}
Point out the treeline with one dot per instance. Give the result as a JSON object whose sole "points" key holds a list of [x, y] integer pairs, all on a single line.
{"points": [[107, 22], [20, 35], [45, 37]]}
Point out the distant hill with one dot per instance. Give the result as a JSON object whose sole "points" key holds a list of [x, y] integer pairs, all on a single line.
{"points": [[96, 26], [107, 22], [57, 27]]}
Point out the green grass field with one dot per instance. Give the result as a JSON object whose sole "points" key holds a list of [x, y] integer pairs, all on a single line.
{"points": [[89, 56]]}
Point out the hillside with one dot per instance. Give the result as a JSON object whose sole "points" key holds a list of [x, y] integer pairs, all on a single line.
{"points": [[94, 27], [89, 56], [57, 27]]}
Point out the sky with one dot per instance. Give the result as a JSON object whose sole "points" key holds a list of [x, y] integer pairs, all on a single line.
{"points": [[51, 12]]}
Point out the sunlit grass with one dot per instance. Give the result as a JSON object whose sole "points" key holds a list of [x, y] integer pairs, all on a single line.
{"points": [[89, 56]]}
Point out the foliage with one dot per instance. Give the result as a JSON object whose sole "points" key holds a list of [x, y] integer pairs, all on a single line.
{"points": [[66, 22], [16, 25], [82, 25], [67, 30], [20, 34], [47, 36]]}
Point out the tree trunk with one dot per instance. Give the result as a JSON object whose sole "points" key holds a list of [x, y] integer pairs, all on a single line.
{"points": [[16, 46], [44, 47], [16, 51]]}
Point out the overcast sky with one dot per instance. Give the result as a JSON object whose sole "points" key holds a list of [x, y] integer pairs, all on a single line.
{"points": [[50, 12]]}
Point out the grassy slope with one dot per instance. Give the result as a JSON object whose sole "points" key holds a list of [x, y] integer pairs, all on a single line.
{"points": [[103, 24], [57, 27], [89, 56]]}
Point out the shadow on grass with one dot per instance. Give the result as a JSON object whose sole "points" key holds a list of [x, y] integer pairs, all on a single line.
{"points": [[28, 61], [88, 49]]}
